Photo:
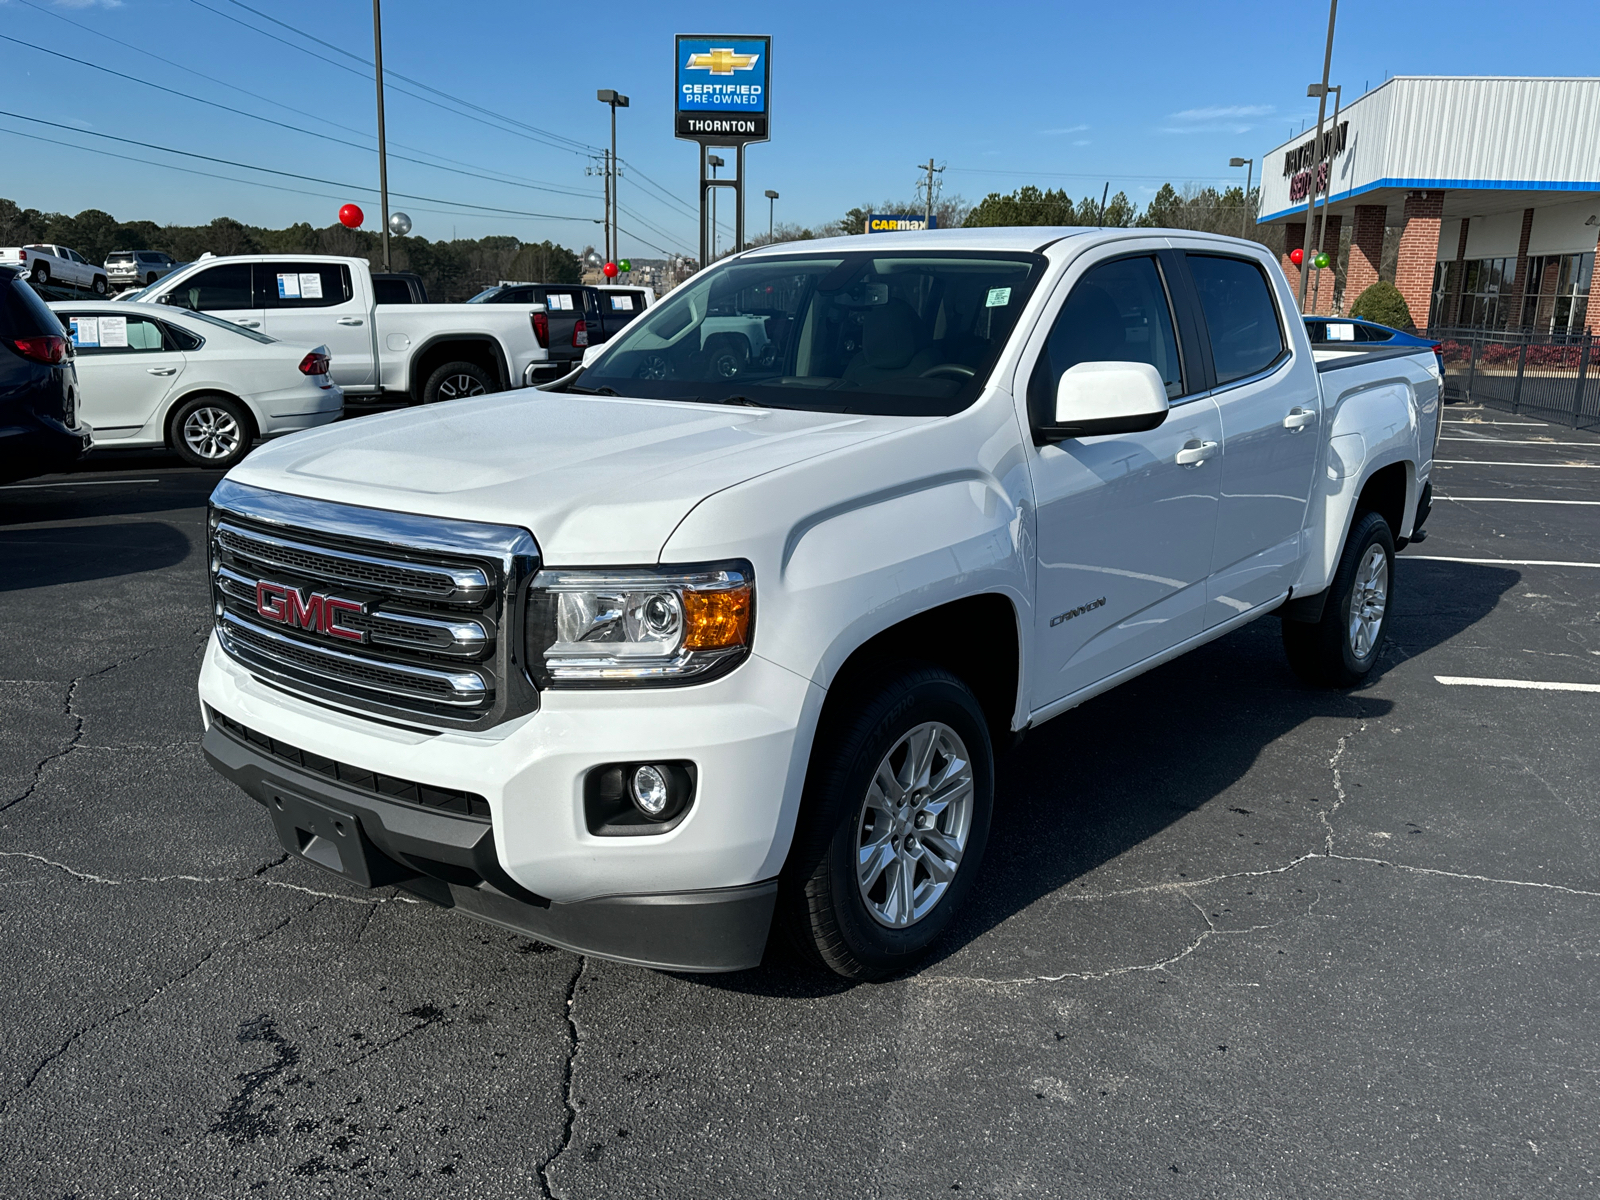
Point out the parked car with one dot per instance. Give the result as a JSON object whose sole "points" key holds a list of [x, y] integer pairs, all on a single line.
{"points": [[617, 306], [1352, 335], [42, 428], [399, 287], [58, 265], [204, 387], [570, 311], [137, 268], [670, 655], [426, 352]]}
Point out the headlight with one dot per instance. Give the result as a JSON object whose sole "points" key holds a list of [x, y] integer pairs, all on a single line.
{"points": [[641, 625]]}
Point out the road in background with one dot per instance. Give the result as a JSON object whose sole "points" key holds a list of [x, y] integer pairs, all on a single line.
{"points": [[1233, 936]]}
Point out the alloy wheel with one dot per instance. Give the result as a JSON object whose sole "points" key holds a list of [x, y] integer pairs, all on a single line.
{"points": [[1368, 597], [456, 387], [212, 432], [914, 825]]}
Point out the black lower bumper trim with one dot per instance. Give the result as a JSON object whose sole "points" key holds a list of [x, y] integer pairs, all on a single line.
{"points": [[451, 860]]}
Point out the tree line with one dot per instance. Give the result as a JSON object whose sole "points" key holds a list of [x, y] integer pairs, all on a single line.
{"points": [[451, 270]]}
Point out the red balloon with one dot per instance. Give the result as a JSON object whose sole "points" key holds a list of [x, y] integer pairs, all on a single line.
{"points": [[1297, 256], [351, 216], [609, 270]]}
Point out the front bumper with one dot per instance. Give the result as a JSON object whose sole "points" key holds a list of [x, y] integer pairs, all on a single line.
{"points": [[697, 896]]}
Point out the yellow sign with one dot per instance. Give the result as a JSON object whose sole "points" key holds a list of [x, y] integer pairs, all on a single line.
{"points": [[721, 61]]}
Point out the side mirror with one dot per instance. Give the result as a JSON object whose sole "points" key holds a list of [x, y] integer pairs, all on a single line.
{"points": [[1097, 398]]}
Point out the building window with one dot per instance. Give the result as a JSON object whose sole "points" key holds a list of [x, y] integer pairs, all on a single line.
{"points": [[1556, 299], [1486, 285], [1444, 280]]}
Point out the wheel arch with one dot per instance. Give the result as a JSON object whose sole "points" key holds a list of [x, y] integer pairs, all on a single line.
{"points": [[480, 349], [169, 419]]}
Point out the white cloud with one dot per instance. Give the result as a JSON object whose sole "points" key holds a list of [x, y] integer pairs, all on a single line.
{"points": [[1065, 130], [1234, 127], [1217, 112], [88, 3]]}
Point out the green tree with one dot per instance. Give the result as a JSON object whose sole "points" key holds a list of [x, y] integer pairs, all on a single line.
{"points": [[1025, 206], [546, 262], [1383, 303]]}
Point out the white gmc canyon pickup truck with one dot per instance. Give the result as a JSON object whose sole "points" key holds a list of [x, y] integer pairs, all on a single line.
{"points": [[652, 661], [428, 352]]}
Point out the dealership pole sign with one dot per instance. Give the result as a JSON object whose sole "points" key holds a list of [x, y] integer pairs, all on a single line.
{"points": [[723, 89]]}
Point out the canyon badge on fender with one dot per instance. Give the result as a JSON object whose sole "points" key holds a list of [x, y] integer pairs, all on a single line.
{"points": [[1077, 612]]}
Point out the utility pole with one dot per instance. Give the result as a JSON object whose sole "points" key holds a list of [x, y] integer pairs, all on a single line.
{"points": [[716, 160], [1244, 217], [927, 206], [772, 202], [1106, 191], [383, 152], [1327, 197], [1316, 154]]}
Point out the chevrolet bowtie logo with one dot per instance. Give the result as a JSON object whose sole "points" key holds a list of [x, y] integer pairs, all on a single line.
{"points": [[722, 61]]}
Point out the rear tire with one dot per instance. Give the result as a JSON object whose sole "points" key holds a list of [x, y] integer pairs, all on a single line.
{"points": [[214, 432], [40, 274], [1341, 649], [99, 287], [892, 826], [458, 381]]}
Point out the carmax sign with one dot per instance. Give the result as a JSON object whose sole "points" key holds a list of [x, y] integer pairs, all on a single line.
{"points": [[898, 223]]}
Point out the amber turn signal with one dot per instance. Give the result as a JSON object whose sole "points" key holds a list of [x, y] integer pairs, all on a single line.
{"points": [[715, 620]]}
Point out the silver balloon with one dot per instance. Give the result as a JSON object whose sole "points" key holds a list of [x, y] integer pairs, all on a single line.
{"points": [[399, 224]]}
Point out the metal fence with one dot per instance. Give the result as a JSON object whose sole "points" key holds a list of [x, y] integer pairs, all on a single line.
{"points": [[1556, 378]]}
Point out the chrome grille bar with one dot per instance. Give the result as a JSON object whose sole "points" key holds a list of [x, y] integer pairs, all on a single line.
{"points": [[460, 585]]}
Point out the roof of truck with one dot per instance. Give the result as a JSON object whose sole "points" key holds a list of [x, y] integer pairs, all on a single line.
{"points": [[1028, 239]]}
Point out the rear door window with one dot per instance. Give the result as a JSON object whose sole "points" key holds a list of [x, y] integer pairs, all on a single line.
{"points": [[1240, 316], [216, 289], [114, 333], [304, 285]]}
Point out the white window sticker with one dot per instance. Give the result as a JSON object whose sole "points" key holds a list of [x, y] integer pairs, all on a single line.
{"points": [[113, 331], [289, 286], [998, 298], [556, 301], [1341, 333], [85, 331], [622, 304], [310, 286]]}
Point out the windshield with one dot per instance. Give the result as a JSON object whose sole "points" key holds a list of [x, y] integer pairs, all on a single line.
{"points": [[897, 333], [191, 315], [147, 291]]}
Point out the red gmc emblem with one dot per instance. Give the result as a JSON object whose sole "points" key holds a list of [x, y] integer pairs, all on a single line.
{"points": [[311, 611]]}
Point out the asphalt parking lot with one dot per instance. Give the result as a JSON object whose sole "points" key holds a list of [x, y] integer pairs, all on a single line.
{"points": [[1233, 937]]}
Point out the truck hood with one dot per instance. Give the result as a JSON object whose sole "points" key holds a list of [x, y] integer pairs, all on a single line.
{"points": [[596, 480]]}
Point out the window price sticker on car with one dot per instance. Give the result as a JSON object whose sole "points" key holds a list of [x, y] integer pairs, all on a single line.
{"points": [[559, 302], [1341, 333], [622, 304], [998, 298], [289, 285], [310, 285], [85, 331], [113, 331]]}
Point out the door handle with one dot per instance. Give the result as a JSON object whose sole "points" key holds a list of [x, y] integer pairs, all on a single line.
{"points": [[162, 370], [1299, 418], [1194, 453], [249, 324], [349, 321]]}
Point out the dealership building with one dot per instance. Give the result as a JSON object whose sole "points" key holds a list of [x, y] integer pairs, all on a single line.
{"points": [[1493, 183]]}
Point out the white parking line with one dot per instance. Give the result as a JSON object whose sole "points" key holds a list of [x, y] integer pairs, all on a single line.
{"points": [[1491, 441], [1509, 500], [1473, 462], [1498, 562], [1530, 684], [17, 487]]}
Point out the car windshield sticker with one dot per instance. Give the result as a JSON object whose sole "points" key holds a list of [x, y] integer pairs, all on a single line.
{"points": [[85, 331], [622, 304], [998, 298], [1341, 333], [310, 286], [113, 331], [289, 286]]}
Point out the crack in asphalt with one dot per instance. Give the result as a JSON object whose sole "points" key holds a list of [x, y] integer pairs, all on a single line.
{"points": [[574, 1040], [1326, 817], [253, 877]]}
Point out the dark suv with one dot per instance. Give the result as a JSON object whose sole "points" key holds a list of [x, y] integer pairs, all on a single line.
{"points": [[39, 427], [571, 310]]}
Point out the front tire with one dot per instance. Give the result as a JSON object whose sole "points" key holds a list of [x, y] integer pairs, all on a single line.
{"points": [[99, 287], [1341, 649], [214, 432], [457, 381], [40, 274], [893, 825]]}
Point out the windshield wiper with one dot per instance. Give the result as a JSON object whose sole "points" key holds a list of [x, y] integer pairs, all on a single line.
{"points": [[599, 391]]}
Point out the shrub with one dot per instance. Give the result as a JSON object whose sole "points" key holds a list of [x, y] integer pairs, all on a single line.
{"points": [[1383, 303]]}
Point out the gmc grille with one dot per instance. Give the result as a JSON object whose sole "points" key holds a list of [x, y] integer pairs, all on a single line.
{"points": [[387, 613]]}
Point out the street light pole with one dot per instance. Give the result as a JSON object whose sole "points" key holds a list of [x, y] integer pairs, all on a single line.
{"points": [[1249, 165], [1316, 154], [715, 161], [772, 197], [1327, 197], [613, 235], [383, 152]]}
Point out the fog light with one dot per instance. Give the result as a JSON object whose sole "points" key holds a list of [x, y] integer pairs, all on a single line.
{"points": [[648, 786]]}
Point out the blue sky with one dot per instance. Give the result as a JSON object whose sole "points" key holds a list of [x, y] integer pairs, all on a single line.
{"points": [[1003, 93]]}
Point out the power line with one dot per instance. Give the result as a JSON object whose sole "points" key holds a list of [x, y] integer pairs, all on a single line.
{"points": [[1085, 175], [293, 175], [504, 175]]}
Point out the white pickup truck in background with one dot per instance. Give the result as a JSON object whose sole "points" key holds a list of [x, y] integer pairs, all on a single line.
{"points": [[47, 264], [428, 352], [692, 645]]}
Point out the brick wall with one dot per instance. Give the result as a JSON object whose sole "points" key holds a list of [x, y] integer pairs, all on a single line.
{"points": [[1520, 283], [1366, 251], [1319, 293], [1294, 236], [1452, 314], [1419, 252], [1593, 319]]}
